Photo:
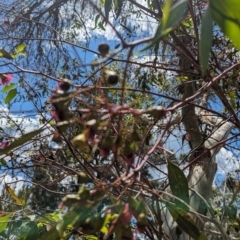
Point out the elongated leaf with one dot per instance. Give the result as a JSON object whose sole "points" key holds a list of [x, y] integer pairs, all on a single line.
{"points": [[3, 222], [91, 237], [20, 141], [184, 221], [232, 98], [126, 28], [169, 21], [13, 195], [166, 10], [11, 94], [96, 21], [206, 40], [8, 87], [104, 228], [119, 7], [20, 47], [226, 14], [107, 7], [234, 196], [179, 185], [117, 46], [100, 25]]}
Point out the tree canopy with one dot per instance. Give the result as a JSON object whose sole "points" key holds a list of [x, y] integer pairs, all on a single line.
{"points": [[119, 119]]}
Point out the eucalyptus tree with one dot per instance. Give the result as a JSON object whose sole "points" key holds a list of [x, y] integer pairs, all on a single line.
{"points": [[110, 113]]}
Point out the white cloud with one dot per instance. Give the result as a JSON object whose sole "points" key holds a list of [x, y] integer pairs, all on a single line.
{"points": [[226, 162], [142, 24], [13, 123]]}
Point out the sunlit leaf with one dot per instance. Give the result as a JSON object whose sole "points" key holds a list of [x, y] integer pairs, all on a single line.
{"points": [[8, 87], [226, 14], [13, 195], [232, 98], [23, 139], [119, 7], [3, 222], [169, 21], [20, 47], [166, 10], [206, 40], [11, 94], [107, 219], [91, 237], [179, 185]]}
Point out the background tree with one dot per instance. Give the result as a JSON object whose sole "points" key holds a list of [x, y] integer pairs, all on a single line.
{"points": [[102, 119]]}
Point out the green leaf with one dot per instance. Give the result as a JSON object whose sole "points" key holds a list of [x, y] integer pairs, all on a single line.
{"points": [[226, 14], [184, 221], [3, 222], [166, 10], [21, 140], [11, 94], [235, 194], [232, 98], [91, 237], [3, 162], [206, 40], [179, 185], [100, 25], [107, 219], [12, 194], [169, 21], [107, 7], [8, 87], [119, 7], [20, 48], [96, 21]]}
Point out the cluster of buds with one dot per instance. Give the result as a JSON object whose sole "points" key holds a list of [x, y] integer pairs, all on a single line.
{"points": [[111, 76], [61, 101]]}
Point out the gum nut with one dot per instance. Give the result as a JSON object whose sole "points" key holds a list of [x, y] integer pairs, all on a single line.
{"points": [[103, 49]]}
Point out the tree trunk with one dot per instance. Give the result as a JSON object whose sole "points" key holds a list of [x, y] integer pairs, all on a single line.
{"points": [[202, 171]]}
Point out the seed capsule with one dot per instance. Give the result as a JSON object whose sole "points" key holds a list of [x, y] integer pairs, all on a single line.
{"points": [[64, 85], [112, 77], [103, 49]]}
